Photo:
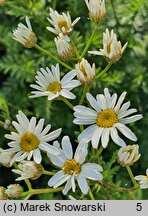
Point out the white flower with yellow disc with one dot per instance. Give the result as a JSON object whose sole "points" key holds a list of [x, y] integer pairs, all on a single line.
{"points": [[30, 139], [107, 116], [143, 180], [61, 22], [50, 85], [73, 167]]}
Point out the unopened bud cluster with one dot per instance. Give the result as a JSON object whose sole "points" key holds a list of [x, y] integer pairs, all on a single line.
{"points": [[28, 170], [5, 157], [128, 155]]}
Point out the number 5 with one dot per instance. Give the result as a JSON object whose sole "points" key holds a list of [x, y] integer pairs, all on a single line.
{"points": [[139, 207]]}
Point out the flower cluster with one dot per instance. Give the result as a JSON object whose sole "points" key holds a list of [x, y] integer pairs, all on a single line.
{"points": [[103, 118], [63, 27]]}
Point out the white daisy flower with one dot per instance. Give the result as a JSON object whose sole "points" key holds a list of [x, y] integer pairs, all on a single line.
{"points": [[25, 35], [97, 10], [30, 139], [112, 49], [143, 180], [64, 48], [128, 155], [85, 72], [62, 22], [49, 83], [108, 115], [73, 167], [28, 170]]}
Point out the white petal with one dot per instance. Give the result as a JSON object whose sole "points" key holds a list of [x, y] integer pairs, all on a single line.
{"points": [[37, 156], [93, 102], [49, 148], [87, 133], [82, 183], [81, 151], [22, 157], [83, 121], [126, 131], [67, 186], [120, 100], [18, 154], [131, 119], [115, 137], [54, 180], [56, 160], [67, 94], [53, 135], [69, 76], [91, 173], [62, 180], [96, 137], [105, 137], [67, 147], [102, 101]]}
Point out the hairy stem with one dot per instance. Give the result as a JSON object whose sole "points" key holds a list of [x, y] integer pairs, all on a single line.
{"points": [[131, 176], [42, 191]]}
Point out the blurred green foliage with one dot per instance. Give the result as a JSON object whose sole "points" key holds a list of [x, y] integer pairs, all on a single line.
{"points": [[18, 67]]}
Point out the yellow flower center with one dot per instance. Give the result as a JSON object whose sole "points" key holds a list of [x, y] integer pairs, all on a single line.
{"points": [[54, 87], [29, 142], [71, 167], [106, 118], [62, 24]]}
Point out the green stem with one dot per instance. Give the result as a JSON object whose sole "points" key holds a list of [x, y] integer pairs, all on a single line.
{"points": [[75, 49], [98, 152], [91, 194], [53, 57], [132, 176], [28, 184], [27, 197], [116, 187], [85, 90], [104, 71], [81, 128], [89, 42], [67, 102], [41, 191], [46, 172]]}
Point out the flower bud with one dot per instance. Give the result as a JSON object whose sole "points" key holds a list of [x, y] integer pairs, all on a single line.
{"points": [[14, 190], [96, 9], [128, 155], [85, 72], [3, 196], [112, 49], [7, 123], [64, 48], [25, 35], [5, 157], [28, 170]]}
